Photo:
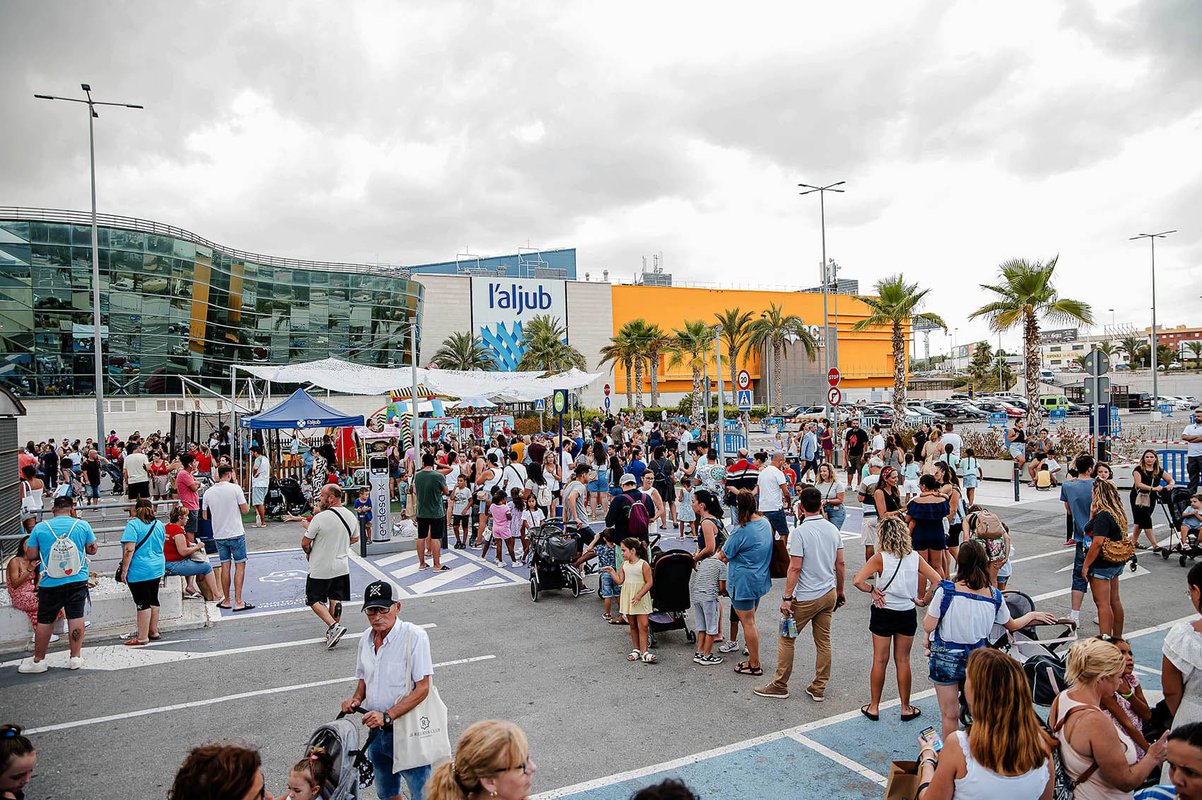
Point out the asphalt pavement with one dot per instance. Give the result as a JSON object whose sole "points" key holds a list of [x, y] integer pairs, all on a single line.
{"points": [[598, 725]]}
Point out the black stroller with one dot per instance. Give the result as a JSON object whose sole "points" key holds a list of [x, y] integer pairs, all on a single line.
{"points": [[1039, 658], [671, 571], [1175, 501], [553, 560], [274, 501], [352, 769], [113, 470], [292, 497]]}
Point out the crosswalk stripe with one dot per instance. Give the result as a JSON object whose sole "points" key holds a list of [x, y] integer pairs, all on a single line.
{"points": [[440, 579]]}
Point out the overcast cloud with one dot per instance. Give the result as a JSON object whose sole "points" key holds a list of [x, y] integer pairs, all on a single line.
{"points": [[968, 133]]}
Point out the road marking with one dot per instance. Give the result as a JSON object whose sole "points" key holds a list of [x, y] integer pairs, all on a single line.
{"points": [[109, 658], [1063, 551], [439, 579], [392, 559], [62, 726], [1164, 626], [370, 567], [1061, 592], [839, 758]]}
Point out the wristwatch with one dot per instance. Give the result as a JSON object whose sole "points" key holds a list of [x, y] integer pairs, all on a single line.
{"points": [[789, 599], [387, 719]]}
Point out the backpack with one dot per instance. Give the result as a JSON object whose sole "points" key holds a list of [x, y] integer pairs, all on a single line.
{"points": [[542, 495], [985, 525], [1046, 676], [638, 523], [64, 560]]}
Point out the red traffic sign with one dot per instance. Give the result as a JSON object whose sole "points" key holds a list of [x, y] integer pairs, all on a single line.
{"points": [[744, 379], [833, 376], [834, 396], [607, 390]]}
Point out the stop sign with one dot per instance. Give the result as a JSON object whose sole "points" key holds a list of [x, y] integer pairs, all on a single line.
{"points": [[607, 390], [833, 376]]}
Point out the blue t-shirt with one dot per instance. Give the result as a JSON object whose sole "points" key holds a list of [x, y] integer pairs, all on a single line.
{"points": [[45, 532], [1079, 496], [637, 468], [749, 550], [148, 562]]}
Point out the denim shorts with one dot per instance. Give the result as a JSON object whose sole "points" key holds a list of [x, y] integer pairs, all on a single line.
{"points": [[187, 568], [744, 605], [947, 666], [1106, 573], [778, 522], [231, 549], [970, 481], [601, 484], [1079, 583]]}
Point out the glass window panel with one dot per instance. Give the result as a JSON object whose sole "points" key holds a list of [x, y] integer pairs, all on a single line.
{"points": [[19, 229], [159, 244], [183, 249], [127, 240]]}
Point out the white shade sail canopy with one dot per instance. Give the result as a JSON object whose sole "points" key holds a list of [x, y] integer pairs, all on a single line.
{"points": [[343, 376]]}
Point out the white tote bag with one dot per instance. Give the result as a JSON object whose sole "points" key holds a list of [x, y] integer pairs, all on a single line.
{"points": [[421, 737]]}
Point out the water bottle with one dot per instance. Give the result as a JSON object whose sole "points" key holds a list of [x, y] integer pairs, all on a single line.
{"points": [[788, 627]]}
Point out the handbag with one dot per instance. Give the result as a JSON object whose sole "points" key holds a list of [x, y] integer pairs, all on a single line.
{"points": [[903, 781], [778, 567], [1118, 551], [421, 737], [1143, 499], [119, 576]]}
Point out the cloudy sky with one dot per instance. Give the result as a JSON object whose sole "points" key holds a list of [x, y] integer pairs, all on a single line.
{"points": [[402, 132]]}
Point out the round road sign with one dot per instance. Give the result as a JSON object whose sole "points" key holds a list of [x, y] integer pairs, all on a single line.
{"points": [[559, 400], [744, 379], [833, 376], [834, 396], [607, 390]]}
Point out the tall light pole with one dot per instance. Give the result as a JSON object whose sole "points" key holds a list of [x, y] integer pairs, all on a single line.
{"points": [[826, 332], [1152, 237], [97, 347], [718, 369]]}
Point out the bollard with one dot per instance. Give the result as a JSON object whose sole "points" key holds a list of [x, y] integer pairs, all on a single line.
{"points": [[1017, 480]]}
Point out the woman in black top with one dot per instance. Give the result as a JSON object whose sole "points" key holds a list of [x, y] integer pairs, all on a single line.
{"points": [[1107, 522], [920, 439], [1017, 442], [1147, 477]]}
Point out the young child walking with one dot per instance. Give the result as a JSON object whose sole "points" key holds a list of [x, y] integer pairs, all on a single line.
{"points": [[686, 517], [970, 474], [910, 474], [501, 514], [308, 778], [635, 603], [461, 502]]}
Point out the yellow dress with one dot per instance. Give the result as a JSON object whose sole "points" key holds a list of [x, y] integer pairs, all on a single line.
{"points": [[632, 583]]}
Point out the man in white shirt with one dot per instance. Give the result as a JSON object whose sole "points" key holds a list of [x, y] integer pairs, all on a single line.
{"points": [[224, 504], [813, 590], [137, 476], [514, 474], [394, 672], [1193, 451], [878, 441], [327, 543], [952, 438], [260, 479], [772, 491]]}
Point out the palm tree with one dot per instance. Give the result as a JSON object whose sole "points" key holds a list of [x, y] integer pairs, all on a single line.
{"points": [[1195, 349], [544, 348], [640, 334], [896, 302], [658, 343], [1024, 295], [1107, 347], [775, 330], [624, 348], [464, 351], [690, 345], [1132, 345], [736, 325], [1166, 355]]}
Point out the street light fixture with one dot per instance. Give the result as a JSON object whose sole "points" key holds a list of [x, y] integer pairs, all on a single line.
{"points": [[827, 337], [1152, 237], [97, 347]]}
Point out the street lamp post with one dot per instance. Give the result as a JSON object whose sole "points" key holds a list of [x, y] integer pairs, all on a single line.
{"points": [[1152, 237], [718, 369], [826, 332], [97, 347]]}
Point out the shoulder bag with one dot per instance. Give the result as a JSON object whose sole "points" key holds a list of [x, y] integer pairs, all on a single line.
{"points": [[119, 575], [421, 737]]}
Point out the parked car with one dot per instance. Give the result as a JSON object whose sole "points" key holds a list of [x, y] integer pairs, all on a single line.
{"points": [[1077, 410], [996, 406], [1053, 402], [1120, 366], [927, 411], [1189, 399], [972, 412]]}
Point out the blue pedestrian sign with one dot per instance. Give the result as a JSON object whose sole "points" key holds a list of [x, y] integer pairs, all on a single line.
{"points": [[997, 418], [1116, 422], [607, 402], [743, 399], [540, 405]]}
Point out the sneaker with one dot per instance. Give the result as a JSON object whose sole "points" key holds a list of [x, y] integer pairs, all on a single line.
{"points": [[746, 652], [588, 590], [698, 658], [728, 647], [711, 660], [817, 698], [334, 635], [75, 662], [771, 690], [31, 667]]}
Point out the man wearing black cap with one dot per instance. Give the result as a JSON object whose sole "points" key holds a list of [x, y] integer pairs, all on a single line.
{"points": [[394, 662]]}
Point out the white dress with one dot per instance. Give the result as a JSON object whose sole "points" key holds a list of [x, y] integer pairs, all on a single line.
{"points": [[1183, 648]]}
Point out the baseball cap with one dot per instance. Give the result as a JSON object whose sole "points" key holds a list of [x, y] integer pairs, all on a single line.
{"points": [[378, 594], [627, 480]]}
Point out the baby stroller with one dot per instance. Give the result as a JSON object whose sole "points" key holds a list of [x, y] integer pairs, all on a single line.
{"points": [[1175, 501], [293, 498], [1039, 658], [113, 470], [352, 769], [670, 574], [274, 501], [553, 561]]}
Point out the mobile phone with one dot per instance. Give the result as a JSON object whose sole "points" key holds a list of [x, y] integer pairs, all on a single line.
{"points": [[929, 736]]}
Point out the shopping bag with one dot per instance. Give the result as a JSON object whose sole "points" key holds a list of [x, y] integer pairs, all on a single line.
{"points": [[421, 737], [903, 781]]}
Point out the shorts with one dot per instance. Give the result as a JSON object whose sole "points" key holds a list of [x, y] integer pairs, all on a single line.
{"points": [[666, 492], [1106, 573], [145, 593], [93, 491], [1079, 583], [320, 590], [868, 526], [1193, 523], [231, 550], [953, 534], [947, 666], [970, 481], [187, 568], [1018, 451], [910, 487], [460, 519], [744, 605], [364, 517], [778, 522], [432, 528], [706, 614], [1005, 572], [192, 522], [258, 494], [607, 557], [854, 463], [138, 490], [888, 622], [928, 540], [67, 597]]}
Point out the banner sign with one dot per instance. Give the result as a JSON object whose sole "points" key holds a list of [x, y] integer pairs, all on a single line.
{"points": [[500, 306]]}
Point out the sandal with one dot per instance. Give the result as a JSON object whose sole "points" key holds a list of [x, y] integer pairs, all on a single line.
{"points": [[649, 658], [607, 617], [226, 607], [135, 643], [914, 713], [874, 717], [745, 668], [193, 596], [619, 620], [635, 655], [155, 637]]}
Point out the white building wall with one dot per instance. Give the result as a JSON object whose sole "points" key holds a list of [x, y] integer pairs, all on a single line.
{"points": [[590, 326], [446, 309]]}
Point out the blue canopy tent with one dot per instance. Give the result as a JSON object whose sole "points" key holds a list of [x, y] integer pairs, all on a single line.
{"points": [[300, 411]]}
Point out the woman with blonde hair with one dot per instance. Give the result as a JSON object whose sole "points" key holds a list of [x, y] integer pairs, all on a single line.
{"points": [[1098, 757], [1005, 753], [893, 617], [1102, 567], [492, 759]]}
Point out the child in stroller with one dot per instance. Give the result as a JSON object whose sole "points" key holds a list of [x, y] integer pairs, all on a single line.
{"points": [[1184, 511], [334, 766]]}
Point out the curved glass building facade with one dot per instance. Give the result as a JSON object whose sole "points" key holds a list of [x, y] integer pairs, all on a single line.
{"points": [[175, 304]]}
